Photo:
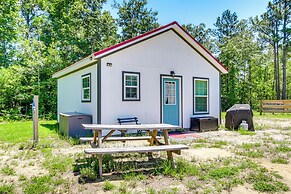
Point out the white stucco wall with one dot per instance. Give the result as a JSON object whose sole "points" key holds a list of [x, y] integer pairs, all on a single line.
{"points": [[69, 93], [151, 58]]}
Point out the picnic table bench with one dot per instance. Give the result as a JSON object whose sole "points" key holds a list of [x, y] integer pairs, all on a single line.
{"points": [[129, 138], [154, 144]]}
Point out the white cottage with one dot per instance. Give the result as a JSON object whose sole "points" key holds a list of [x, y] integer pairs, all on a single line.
{"points": [[162, 76]]}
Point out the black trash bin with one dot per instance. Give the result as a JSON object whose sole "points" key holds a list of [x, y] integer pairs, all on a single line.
{"points": [[236, 114]]}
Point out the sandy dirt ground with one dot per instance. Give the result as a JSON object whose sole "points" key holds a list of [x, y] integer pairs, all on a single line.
{"points": [[277, 129]]}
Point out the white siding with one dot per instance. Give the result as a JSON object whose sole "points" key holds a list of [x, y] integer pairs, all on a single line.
{"points": [[151, 58], [69, 93]]}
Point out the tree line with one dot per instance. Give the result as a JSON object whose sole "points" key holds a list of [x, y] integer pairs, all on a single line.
{"points": [[40, 37]]}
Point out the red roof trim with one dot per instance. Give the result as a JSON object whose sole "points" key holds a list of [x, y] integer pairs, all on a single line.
{"points": [[202, 47], [133, 39]]}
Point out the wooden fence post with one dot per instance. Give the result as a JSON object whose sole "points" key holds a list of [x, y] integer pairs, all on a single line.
{"points": [[35, 118]]}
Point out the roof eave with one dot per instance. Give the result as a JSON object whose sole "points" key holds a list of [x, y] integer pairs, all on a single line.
{"points": [[75, 67]]}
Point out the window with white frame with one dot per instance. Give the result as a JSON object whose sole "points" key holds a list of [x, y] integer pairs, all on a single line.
{"points": [[200, 95], [131, 86], [86, 88]]}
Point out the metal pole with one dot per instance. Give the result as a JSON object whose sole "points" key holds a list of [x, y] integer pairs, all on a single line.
{"points": [[35, 118]]}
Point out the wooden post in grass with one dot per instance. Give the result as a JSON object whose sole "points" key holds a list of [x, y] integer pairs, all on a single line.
{"points": [[35, 118]]}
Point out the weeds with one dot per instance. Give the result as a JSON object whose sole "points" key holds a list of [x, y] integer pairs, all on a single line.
{"points": [[249, 146], [264, 181], [223, 172], [122, 188], [7, 188], [246, 132], [40, 184], [251, 153], [59, 163], [134, 176], [280, 160], [7, 170], [108, 186], [283, 148]]}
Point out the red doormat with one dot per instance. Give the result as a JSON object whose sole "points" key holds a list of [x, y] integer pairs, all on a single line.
{"points": [[184, 135]]}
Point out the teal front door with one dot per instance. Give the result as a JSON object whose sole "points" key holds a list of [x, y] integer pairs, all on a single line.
{"points": [[171, 101]]}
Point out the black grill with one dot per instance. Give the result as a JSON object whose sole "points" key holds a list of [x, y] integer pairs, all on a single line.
{"points": [[236, 114]]}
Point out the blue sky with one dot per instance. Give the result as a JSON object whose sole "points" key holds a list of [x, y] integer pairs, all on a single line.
{"points": [[200, 11]]}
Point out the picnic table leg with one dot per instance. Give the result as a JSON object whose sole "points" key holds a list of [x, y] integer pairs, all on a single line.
{"points": [[167, 142], [95, 137], [99, 155], [153, 135]]}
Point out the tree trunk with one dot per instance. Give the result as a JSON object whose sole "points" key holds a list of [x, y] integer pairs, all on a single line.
{"points": [[284, 72], [278, 91], [276, 71], [285, 48]]}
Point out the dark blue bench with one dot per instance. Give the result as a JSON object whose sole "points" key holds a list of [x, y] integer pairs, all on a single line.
{"points": [[128, 120]]}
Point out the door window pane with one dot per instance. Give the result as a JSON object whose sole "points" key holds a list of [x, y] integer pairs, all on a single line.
{"points": [[169, 92]]}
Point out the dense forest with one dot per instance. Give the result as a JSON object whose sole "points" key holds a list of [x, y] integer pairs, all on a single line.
{"points": [[40, 37]]}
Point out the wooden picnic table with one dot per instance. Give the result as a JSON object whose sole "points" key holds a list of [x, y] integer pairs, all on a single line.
{"points": [[151, 129]]}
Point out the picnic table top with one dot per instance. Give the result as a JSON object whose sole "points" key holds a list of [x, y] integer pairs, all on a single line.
{"points": [[129, 127]]}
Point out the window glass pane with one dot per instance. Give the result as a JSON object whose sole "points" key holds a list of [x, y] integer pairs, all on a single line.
{"points": [[86, 93], [200, 87], [86, 82], [131, 80], [201, 104], [128, 83], [131, 93]]}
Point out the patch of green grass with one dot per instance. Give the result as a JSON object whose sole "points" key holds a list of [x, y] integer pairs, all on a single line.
{"points": [[280, 160], [122, 188], [201, 140], [283, 148], [246, 132], [218, 144], [16, 132], [108, 186], [134, 176], [223, 172], [87, 174], [199, 145], [41, 184], [151, 191], [22, 177], [260, 127], [271, 115], [7, 188], [249, 146], [59, 163], [264, 181], [251, 153], [223, 143], [7, 170], [193, 185], [228, 184], [263, 186]]}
